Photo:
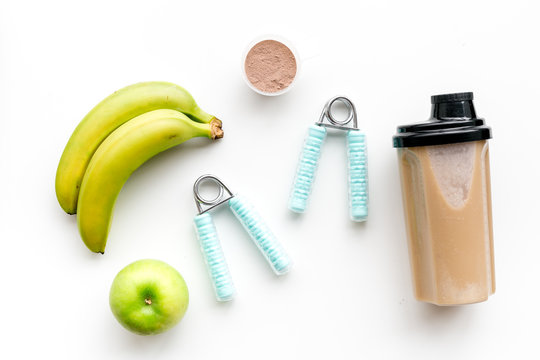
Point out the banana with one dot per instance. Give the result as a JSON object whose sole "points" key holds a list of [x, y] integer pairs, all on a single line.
{"points": [[121, 106], [121, 153]]}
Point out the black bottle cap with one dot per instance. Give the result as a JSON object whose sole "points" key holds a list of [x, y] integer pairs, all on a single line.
{"points": [[453, 120], [465, 96]]}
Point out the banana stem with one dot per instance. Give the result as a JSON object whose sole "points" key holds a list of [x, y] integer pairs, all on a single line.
{"points": [[199, 115], [215, 128]]}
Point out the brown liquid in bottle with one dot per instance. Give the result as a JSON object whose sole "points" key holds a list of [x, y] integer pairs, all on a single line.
{"points": [[446, 193]]}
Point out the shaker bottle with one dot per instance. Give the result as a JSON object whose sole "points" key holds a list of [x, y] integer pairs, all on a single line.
{"points": [[445, 183]]}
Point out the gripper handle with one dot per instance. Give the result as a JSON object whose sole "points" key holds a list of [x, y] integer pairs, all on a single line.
{"points": [[214, 257], [261, 235], [358, 175], [305, 173]]}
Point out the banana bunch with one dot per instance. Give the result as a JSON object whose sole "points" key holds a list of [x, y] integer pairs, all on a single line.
{"points": [[113, 140]]}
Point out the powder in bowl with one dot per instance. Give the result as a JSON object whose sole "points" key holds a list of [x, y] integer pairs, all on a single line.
{"points": [[270, 66]]}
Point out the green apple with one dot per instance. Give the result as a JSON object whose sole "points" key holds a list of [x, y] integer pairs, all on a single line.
{"points": [[148, 297]]}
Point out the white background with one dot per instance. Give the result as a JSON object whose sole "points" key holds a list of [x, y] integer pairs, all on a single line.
{"points": [[349, 295]]}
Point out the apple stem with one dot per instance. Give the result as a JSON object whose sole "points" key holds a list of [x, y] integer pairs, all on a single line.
{"points": [[148, 301]]}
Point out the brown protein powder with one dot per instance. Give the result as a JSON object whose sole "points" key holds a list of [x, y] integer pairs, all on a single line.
{"points": [[270, 66]]}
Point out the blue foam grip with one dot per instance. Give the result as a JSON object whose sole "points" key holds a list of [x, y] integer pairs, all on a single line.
{"points": [[305, 172], [261, 235], [214, 257], [358, 175]]}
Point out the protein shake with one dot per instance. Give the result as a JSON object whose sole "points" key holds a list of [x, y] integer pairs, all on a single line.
{"points": [[445, 181]]}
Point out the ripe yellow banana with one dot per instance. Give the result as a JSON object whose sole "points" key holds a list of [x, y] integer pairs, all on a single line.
{"points": [[122, 106], [121, 153]]}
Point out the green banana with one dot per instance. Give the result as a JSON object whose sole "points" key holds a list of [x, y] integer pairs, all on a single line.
{"points": [[121, 153], [118, 108]]}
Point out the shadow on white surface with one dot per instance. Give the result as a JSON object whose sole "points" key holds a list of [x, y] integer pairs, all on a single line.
{"points": [[438, 320]]}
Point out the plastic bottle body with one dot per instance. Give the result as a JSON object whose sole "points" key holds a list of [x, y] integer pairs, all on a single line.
{"points": [[447, 202]]}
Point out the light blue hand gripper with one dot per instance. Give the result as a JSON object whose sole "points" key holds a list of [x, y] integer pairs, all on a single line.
{"points": [[214, 257], [261, 235], [305, 174], [357, 156], [210, 245], [358, 179]]}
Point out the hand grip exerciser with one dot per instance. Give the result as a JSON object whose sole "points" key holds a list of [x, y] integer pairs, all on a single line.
{"points": [[253, 224], [357, 157]]}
